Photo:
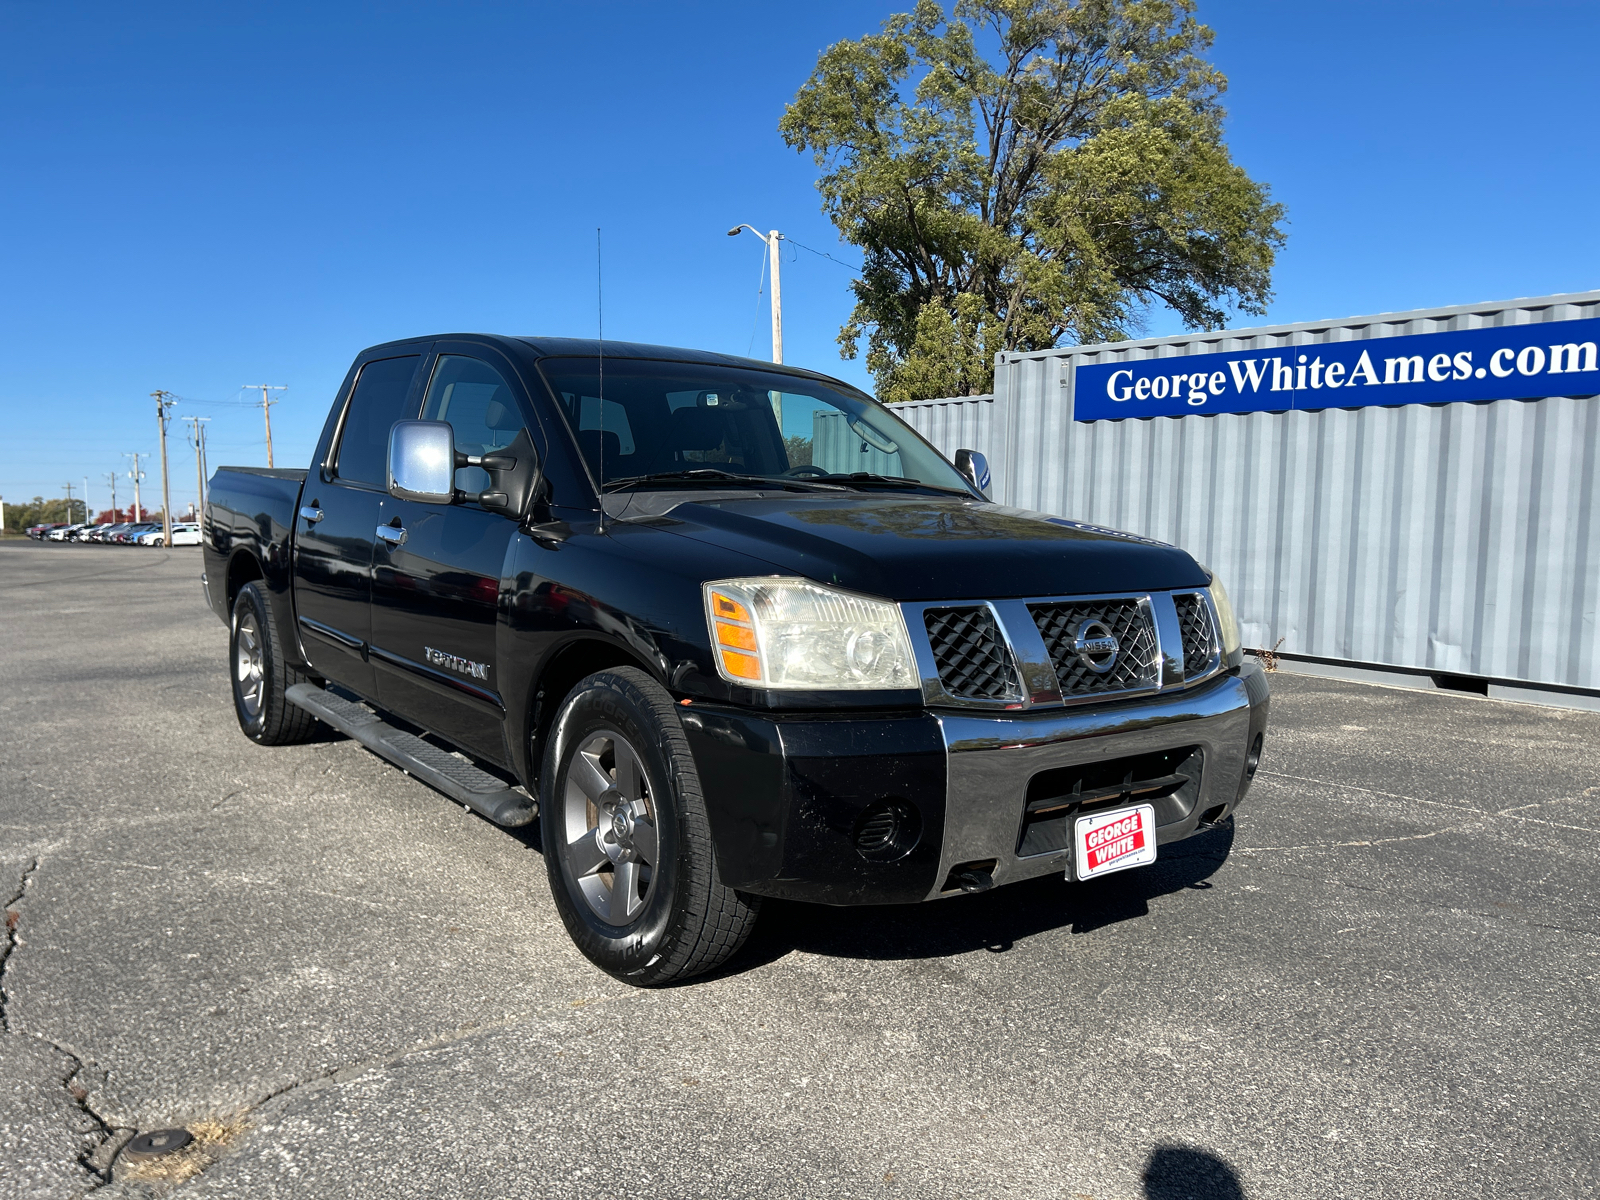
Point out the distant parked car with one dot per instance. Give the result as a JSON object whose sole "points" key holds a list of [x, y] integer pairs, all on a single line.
{"points": [[62, 533], [131, 533], [184, 533], [98, 533], [42, 530], [110, 532]]}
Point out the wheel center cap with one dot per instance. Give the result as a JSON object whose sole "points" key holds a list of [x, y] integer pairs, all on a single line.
{"points": [[621, 826]]}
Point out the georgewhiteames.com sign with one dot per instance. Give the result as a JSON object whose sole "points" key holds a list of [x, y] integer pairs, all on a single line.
{"points": [[1556, 358]]}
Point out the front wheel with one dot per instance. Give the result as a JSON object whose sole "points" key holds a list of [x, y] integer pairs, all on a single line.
{"points": [[626, 840]]}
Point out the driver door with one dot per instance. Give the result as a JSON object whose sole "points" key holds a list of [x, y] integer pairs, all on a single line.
{"points": [[437, 576]]}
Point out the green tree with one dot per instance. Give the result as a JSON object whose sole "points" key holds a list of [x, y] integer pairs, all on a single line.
{"points": [[1024, 173]]}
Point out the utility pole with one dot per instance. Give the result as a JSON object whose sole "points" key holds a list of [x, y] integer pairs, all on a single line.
{"points": [[69, 503], [266, 409], [116, 513], [162, 405], [772, 239], [197, 439], [136, 475]]}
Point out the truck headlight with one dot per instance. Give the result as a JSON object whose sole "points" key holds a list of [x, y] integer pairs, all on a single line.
{"points": [[792, 633], [1227, 622]]}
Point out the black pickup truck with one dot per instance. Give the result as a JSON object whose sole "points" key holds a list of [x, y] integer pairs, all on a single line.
{"points": [[726, 630]]}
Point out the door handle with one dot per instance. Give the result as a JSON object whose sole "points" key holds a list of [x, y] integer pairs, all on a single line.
{"points": [[391, 534], [310, 514]]}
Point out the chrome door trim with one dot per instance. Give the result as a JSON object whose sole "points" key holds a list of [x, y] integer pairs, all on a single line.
{"points": [[328, 633]]}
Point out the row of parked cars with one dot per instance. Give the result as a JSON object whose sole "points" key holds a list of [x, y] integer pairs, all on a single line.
{"points": [[126, 533]]}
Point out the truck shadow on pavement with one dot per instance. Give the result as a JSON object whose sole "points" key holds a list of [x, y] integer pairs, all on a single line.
{"points": [[993, 921], [1185, 1173]]}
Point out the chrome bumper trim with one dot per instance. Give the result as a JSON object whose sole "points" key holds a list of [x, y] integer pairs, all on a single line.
{"points": [[990, 758]]}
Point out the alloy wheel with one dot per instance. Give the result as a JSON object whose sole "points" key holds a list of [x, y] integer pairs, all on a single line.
{"points": [[609, 823], [248, 665]]}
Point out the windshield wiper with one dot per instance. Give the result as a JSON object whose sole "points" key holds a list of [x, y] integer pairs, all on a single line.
{"points": [[898, 482], [701, 476]]}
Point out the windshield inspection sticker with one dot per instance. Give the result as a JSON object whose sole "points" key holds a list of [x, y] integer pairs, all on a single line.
{"points": [[1114, 841]]}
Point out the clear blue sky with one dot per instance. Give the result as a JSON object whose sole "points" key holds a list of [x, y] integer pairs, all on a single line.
{"points": [[201, 196]]}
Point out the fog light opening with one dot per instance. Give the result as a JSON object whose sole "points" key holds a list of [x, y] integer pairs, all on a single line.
{"points": [[887, 830]]}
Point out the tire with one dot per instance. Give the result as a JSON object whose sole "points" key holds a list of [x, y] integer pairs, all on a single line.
{"points": [[260, 676], [675, 919]]}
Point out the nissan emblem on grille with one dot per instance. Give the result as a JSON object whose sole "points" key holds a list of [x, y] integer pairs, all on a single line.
{"points": [[1096, 646]]}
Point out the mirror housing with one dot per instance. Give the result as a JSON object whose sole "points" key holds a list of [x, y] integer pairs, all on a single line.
{"points": [[975, 466], [422, 461], [514, 477]]}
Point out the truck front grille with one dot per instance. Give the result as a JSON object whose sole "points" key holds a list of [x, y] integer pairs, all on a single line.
{"points": [[1199, 640], [972, 658], [1128, 619]]}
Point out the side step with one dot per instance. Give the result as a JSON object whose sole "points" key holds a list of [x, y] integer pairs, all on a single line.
{"points": [[461, 781]]}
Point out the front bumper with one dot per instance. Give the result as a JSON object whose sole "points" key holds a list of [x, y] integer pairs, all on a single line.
{"points": [[787, 795], [992, 759]]}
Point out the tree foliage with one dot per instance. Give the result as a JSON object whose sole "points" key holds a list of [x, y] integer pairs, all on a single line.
{"points": [[1022, 173]]}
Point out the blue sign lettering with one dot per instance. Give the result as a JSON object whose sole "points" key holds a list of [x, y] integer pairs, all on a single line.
{"points": [[1513, 362]]}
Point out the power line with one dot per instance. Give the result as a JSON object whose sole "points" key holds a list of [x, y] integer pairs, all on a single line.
{"points": [[822, 254]]}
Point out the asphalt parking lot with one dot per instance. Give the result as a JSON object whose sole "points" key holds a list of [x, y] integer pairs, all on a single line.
{"points": [[1381, 981]]}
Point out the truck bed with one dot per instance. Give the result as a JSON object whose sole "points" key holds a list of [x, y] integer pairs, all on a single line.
{"points": [[251, 509]]}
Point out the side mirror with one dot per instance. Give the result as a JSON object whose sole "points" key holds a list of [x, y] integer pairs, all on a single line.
{"points": [[975, 467], [422, 461]]}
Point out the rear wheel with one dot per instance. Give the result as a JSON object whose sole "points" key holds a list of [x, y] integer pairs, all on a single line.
{"points": [[627, 844], [260, 675]]}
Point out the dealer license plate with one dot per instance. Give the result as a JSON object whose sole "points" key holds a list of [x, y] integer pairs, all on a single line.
{"points": [[1114, 840]]}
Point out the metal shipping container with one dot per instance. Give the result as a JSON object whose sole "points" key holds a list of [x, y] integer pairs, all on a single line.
{"points": [[1454, 538]]}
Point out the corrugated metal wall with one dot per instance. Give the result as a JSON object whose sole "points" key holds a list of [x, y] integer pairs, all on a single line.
{"points": [[1460, 538]]}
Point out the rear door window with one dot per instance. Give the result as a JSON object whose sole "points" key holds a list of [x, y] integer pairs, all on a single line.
{"points": [[376, 403]]}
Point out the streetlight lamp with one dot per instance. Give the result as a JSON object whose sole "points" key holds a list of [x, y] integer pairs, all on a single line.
{"points": [[771, 239]]}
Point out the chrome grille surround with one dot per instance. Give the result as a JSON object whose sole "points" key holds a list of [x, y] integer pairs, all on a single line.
{"points": [[1198, 627], [1036, 633], [973, 660]]}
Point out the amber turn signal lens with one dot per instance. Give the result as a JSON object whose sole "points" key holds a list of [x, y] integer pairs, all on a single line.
{"points": [[744, 666], [731, 609], [740, 637]]}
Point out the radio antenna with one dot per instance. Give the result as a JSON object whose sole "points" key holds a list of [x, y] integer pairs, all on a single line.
{"points": [[600, 315]]}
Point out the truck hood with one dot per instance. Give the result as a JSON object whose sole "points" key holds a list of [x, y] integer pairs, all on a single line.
{"points": [[932, 548]]}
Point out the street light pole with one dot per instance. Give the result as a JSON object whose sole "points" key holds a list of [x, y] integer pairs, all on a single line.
{"points": [[772, 239]]}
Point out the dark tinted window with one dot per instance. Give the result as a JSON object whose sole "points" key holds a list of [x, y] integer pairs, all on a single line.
{"points": [[482, 412], [378, 401]]}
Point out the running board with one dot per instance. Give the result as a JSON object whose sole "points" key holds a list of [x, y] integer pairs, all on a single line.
{"points": [[461, 781]]}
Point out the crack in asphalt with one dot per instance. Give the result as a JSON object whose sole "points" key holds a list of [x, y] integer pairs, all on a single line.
{"points": [[12, 941], [70, 1083], [109, 1135]]}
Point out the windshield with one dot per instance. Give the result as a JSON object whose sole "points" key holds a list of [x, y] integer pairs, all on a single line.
{"points": [[665, 421]]}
